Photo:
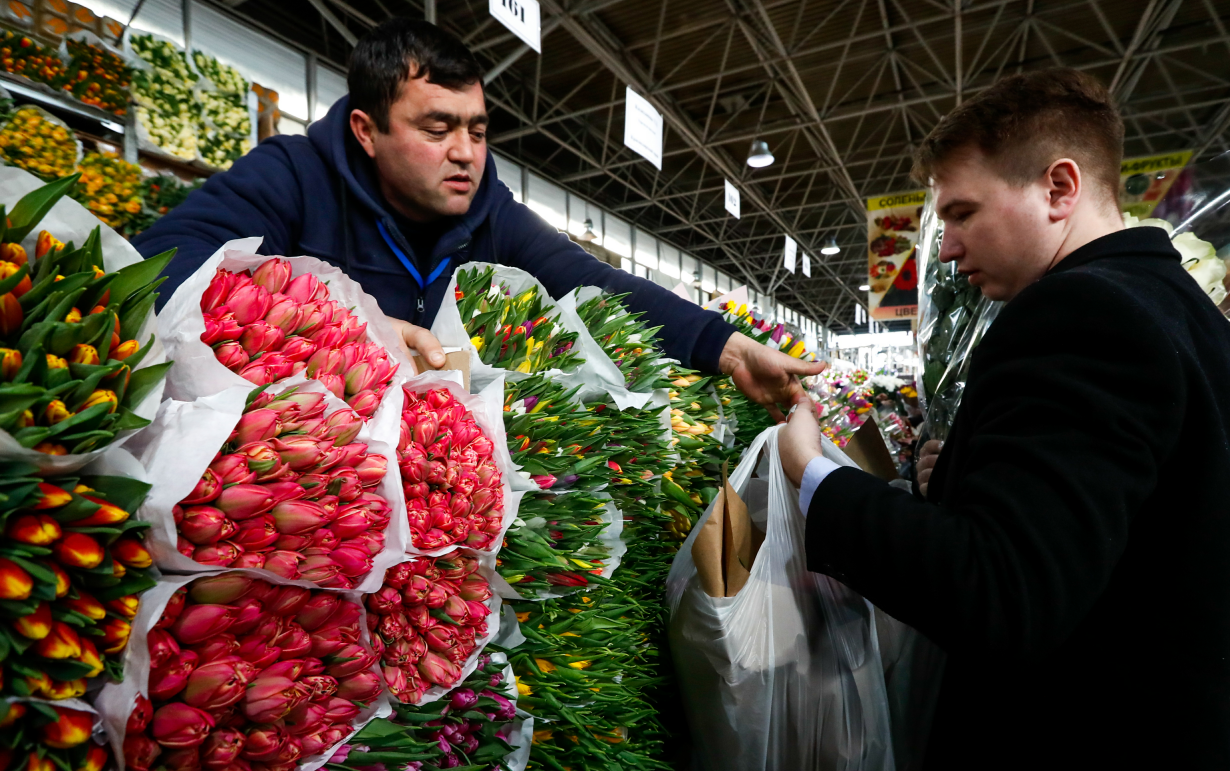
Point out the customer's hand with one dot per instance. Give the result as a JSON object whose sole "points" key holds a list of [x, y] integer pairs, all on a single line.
{"points": [[766, 376], [799, 442], [420, 340], [927, 457]]}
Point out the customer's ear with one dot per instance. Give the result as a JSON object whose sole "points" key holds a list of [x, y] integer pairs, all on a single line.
{"points": [[364, 129], [1065, 188]]}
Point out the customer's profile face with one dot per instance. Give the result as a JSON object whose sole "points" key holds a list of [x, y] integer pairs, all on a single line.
{"points": [[998, 233]]}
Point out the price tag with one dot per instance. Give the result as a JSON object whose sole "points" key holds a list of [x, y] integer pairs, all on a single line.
{"points": [[732, 199], [642, 128], [806, 264], [792, 251], [522, 17]]}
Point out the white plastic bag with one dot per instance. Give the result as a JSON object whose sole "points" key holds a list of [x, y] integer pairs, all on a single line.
{"points": [[785, 674]]}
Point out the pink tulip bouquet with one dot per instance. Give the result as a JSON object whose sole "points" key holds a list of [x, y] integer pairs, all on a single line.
{"points": [[291, 492], [265, 326], [429, 621], [246, 675], [454, 489]]}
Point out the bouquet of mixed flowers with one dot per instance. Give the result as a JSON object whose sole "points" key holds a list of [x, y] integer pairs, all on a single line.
{"points": [[98, 77], [631, 345], [521, 333]]}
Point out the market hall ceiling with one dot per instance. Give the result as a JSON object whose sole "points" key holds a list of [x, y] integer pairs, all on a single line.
{"points": [[842, 90]]}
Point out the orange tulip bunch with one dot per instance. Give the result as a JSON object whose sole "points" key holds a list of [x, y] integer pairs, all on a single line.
{"points": [[72, 568], [68, 334], [44, 737]]}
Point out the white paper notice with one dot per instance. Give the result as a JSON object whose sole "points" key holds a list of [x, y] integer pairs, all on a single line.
{"points": [[642, 128], [792, 251], [523, 19], [732, 199], [806, 264]]}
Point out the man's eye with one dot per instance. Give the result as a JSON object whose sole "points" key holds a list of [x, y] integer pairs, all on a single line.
{"points": [[441, 133], [478, 136]]}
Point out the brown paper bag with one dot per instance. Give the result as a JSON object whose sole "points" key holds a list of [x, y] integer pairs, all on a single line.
{"points": [[867, 449], [726, 545], [458, 360]]}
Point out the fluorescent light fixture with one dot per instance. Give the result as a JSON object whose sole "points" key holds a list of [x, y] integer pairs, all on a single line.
{"points": [[759, 156], [830, 246]]}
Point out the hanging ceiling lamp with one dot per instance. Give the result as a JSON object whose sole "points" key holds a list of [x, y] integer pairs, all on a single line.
{"points": [[589, 234], [830, 246], [759, 156]]}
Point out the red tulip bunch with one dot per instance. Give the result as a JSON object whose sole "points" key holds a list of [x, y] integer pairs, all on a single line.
{"points": [[290, 492], [454, 490], [249, 676], [265, 326], [426, 620]]}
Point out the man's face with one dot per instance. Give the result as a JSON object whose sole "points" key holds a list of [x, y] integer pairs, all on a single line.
{"points": [[1002, 236], [431, 160]]}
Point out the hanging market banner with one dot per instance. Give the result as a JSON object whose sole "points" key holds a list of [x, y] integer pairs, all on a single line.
{"points": [[892, 270], [1144, 182]]}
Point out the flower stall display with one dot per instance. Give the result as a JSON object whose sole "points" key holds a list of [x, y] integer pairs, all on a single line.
{"points": [[519, 333], [561, 542], [97, 76], [159, 195], [22, 55], [456, 493], [110, 187], [630, 344], [695, 420], [226, 122], [69, 336], [34, 140], [71, 575], [250, 318], [428, 623], [242, 671], [40, 737], [471, 729], [164, 92]]}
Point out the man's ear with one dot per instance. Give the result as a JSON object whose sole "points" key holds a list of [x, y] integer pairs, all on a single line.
{"points": [[364, 129], [1065, 187]]}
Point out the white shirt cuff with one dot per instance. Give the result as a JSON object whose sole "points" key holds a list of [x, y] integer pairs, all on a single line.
{"points": [[817, 469]]}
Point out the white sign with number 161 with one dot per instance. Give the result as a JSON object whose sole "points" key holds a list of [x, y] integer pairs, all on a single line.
{"points": [[523, 19]]}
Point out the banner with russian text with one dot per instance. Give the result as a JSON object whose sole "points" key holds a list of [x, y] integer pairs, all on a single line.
{"points": [[1144, 182], [892, 270]]}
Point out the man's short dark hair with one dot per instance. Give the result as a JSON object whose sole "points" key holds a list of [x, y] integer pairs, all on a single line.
{"points": [[400, 49], [1025, 122]]}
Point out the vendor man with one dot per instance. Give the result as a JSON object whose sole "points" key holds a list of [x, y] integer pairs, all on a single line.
{"points": [[397, 188], [1071, 551]]}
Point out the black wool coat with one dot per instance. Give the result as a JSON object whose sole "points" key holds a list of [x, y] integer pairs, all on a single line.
{"points": [[1073, 554]]}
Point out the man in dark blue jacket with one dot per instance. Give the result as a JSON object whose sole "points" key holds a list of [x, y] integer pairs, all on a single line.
{"points": [[397, 188]]}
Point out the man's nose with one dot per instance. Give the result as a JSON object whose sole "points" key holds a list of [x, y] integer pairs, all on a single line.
{"points": [[950, 248], [462, 149]]}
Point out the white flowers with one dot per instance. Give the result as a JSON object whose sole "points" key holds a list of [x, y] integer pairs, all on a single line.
{"points": [[1199, 257]]}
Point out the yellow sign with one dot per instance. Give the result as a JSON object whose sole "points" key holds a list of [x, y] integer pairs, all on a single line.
{"points": [[1144, 182], [892, 270]]}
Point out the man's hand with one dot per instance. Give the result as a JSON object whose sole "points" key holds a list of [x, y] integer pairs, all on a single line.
{"points": [[766, 376], [419, 340], [927, 457], [799, 442]]}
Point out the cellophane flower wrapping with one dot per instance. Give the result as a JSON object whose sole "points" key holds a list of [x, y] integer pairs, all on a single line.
{"points": [[197, 370], [430, 622], [186, 437], [69, 221], [485, 408], [129, 709]]}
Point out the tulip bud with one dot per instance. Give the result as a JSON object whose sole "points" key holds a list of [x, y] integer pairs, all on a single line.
{"points": [[249, 303], [205, 490], [140, 716], [220, 590], [233, 470], [283, 563], [298, 349], [320, 569], [218, 684], [131, 553], [270, 698], [181, 726], [205, 525], [33, 529], [222, 748], [319, 608], [365, 402], [83, 354], [70, 728], [371, 470], [305, 288], [232, 355], [305, 719], [343, 426], [244, 501], [261, 337], [257, 651], [352, 562], [199, 622], [272, 275], [299, 517], [257, 426], [10, 314], [254, 534], [333, 383], [222, 554], [140, 752], [361, 687], [36, 625], [163, 649], [76, 550], [126, 607]]}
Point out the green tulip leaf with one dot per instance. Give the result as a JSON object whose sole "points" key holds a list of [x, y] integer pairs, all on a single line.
{"points": [[87, 441], [31, 435], [133, 317], [129, 584], [138, 275], [85, 420], [143, 381], [9, 284], [33, 206], [66, 669], [124, 492], [16, 397]]}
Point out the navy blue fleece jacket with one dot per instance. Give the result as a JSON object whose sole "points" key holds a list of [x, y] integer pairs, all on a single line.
{"points": [[317, 195]]}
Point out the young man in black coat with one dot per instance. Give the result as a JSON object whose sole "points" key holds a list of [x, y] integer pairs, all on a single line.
{"points": [[1072, 552]]}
